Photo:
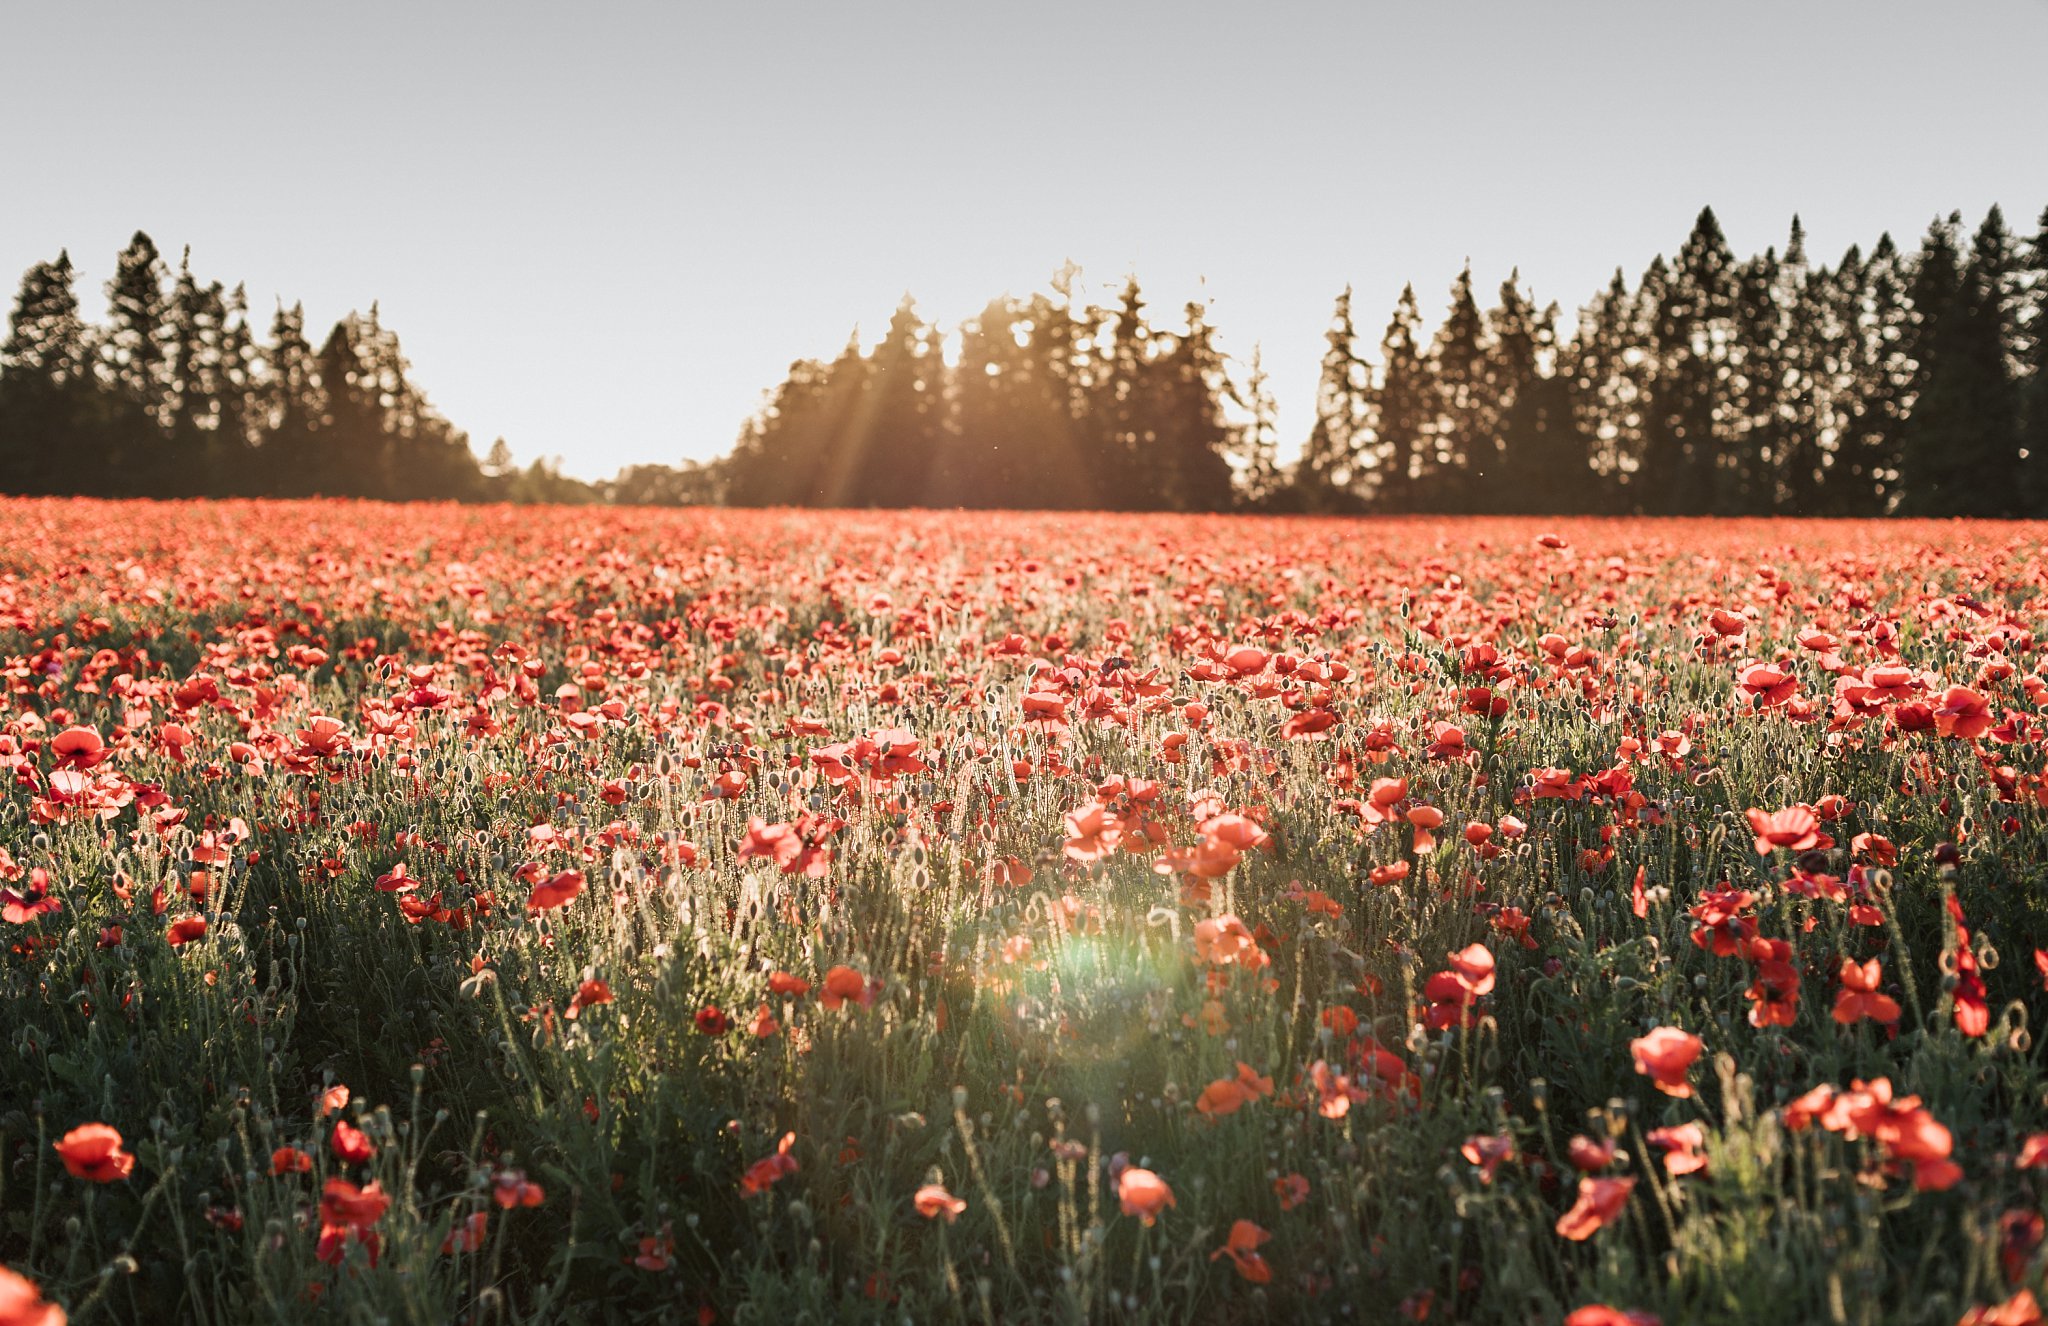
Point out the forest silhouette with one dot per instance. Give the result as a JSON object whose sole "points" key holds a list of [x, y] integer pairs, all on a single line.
{"points": [[1886, 383]]}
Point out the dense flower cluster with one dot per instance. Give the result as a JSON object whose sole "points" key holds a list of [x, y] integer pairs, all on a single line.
{"points": [[1123, 914]]}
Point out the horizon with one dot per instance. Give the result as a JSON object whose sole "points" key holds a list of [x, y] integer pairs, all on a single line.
{"points": [[659, 352]]}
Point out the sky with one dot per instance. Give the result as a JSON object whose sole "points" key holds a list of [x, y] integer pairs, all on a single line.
{"points": [[603, 230]]}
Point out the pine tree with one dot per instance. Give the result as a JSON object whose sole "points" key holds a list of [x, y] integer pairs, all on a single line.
{"points": [[1539, 463], [289, 402], [1878, 373], [1119, 409], [1192, 439], [134, 369], [1462, 448], [1603, 395], [1057, 365], [888, 458], [1255, 460], [1404, 409], [2034, 415], [194, 324], [231, 453], [46, 387], [1684, 469], [1961, 443], [1759, 430], [1327, 475], [349, 444]]}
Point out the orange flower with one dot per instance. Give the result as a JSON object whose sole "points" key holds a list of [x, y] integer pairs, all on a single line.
{"points": [[844, 983], [554, 892], [1859, 998], [467, 1236], [1599, 1314], [1665, 1055], [1962, 713], [782, 983], [1291, 1189], [1093, 832], [1586, 1154], [1225, 940], [588, 995], [1242, 1248], [290, 1160], [1600, 1201], [21, 1303], [343, 1203], [1426, 819], [770, 1169], [933, 1201], [93, 1151], [1227, 1095], [350, 1144], [184, 930], [1795, 828], [2020, 1310], [511, 1187], [1680, 1146], [1488, 1152], [1143, 1194]]}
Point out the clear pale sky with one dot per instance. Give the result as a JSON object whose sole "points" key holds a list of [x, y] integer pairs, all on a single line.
{"points": [[602, 230]]}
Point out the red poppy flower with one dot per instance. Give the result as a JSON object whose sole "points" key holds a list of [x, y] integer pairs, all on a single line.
{"points": [[1600, 1201], [351, 1145], [770, 1169], [21, 1303], [93, 1151], [1666, 1055], [185, 930], [1242, 1248], [1143, 1194], [932, 1201], [555, 891]]}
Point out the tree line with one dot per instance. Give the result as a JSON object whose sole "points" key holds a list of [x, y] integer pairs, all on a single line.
{"points": [[176, 395], [1886, 383]]}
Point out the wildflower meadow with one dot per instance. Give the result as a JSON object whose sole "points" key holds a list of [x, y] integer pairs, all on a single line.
{"points": [[475, 914]]}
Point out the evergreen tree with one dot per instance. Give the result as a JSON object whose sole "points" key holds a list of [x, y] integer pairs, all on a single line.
{"points": [[289, 403], [1684, 468], [1463, 446], [134, 368], [1120, 410], [1054, 392], [230, 461], [989, 453], [1961, 445], [195, 323], [1809, 334], [1192, 439], [888, 458], [1255, 460], [46, 386], [1538, 462], [2034, 412], [1759, 430], [1603, 392], [1878, 383], [786, 451], [1327, 475], [1404, 410]]}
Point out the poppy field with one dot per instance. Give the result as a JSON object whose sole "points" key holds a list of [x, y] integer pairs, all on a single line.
{"points": [[436, 914]]}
